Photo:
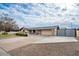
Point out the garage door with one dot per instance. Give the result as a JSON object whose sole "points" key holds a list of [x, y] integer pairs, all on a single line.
{"points": [[66, 32]]}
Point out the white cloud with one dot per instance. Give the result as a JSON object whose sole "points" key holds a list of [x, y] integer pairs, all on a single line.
{"points": [[45, 14]]}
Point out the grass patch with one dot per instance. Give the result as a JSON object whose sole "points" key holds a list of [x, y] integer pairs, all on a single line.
{"points": [[21, 34], [2, 36]]}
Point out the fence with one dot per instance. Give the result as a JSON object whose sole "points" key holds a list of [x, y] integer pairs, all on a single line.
{"points": [[66, 32]]}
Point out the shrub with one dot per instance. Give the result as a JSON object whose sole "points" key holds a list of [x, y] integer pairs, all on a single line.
{"points": [[4, 33], [21, 34]]}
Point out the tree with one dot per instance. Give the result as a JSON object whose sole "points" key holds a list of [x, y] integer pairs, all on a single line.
{"points": [[1, 25], [8, 24]]}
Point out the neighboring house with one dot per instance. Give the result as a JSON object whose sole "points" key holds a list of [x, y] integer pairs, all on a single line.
{"points": [[23, 29]]}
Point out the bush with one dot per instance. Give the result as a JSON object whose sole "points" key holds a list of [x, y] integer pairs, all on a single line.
{"points": [[21, 34], [4, 33]]}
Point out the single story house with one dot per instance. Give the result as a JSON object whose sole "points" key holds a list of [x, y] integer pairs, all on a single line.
{"points": [[52, 31], [49, 30]]}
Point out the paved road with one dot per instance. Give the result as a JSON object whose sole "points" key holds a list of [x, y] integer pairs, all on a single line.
{"points": [[9, 32]]}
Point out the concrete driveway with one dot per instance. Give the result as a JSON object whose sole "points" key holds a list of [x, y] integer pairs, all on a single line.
{"points": [[55, 39], [3, 52], [13, 43]]}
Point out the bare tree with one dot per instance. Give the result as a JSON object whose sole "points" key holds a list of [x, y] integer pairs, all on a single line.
{"points": [[1, 25], [8, 24]]}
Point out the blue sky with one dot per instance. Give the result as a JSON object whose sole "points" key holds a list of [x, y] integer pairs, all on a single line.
{"points": [[42, 14]]}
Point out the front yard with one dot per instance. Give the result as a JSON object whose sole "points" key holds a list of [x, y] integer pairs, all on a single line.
{"points": [[7, 36], [12, 35]]}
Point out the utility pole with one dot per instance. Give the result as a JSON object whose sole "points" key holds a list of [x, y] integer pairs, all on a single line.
{"points": [[72, 22], [71, 25]]}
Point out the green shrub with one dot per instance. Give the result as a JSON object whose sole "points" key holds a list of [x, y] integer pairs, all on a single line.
{"points": [[4, 33], [21, 34]]}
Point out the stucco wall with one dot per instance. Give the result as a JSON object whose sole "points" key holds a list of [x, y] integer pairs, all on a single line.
{"points": [[38, 32], [77, 33], [48, 32], [55, 32]]}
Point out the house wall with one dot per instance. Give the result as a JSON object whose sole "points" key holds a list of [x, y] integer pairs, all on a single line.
{"points": [[48, 32], [55, 32], [77, 33], [38, 32]]}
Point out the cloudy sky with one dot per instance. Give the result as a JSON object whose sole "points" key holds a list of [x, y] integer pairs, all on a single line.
{"points": [[65, 15]]}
